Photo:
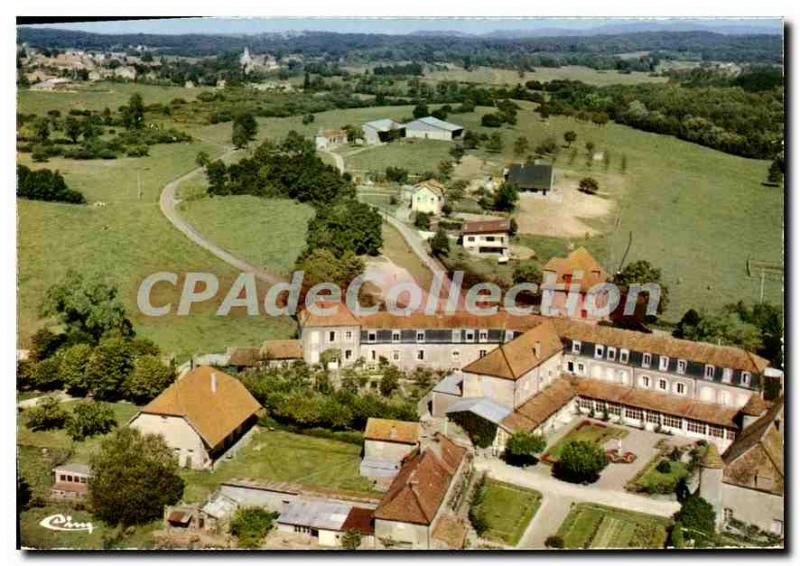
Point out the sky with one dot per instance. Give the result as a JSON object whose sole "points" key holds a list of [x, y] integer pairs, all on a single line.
{"points": [[395, 25]]}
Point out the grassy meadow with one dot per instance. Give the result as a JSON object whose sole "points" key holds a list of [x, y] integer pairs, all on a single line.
{"points": [[496, 77], [589, 525], [508, 509]]}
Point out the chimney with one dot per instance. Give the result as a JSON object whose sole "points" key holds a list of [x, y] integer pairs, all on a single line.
{"points": [[537, 349], [213, 382]]}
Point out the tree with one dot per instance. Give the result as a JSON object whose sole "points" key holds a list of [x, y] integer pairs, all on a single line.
{"points": [[202, 159], [47, 414], [323, 265], [307, 119], [495, 143], [251, 524], [353, 133], [569, 137], [590, 148], [522, 447], [148, 378], [471, 140], [420, 110], [41, 129], [134, 477], [506, 197], [775, 175], [642, 272], [390, 380], [422, 220], [491, 121], [588, 185], [521, 146], [480, 431], [696, 514], [440, 243], [676, 535], [245, 129], [351, 540], [72, 128], [581, 461], [44, 184], [73, 368], [90, 418], [108, 367], [44, 343], [45, 375], [87, 307]]}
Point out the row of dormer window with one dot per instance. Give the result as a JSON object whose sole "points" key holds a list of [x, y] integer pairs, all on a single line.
{"points": [[469, 336], [622, 355]]}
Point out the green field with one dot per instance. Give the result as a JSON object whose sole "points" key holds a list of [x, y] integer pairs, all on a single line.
{"points": [[97, 96], [125, 240], [414, 155], [596, 526], [508, 510], [267, 233], [491, 76], [650, 480], [588, 433], [283, 456]]}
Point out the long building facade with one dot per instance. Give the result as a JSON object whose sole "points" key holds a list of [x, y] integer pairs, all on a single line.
{"points": [[503, 365]]}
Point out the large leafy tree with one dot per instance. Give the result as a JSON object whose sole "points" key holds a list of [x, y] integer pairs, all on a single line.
{"points": [[109, 366], [73, 368], [134, 477], [696, 514], [87, 307], [643, 272], [90, 418], [580, 461], [150, 376]]}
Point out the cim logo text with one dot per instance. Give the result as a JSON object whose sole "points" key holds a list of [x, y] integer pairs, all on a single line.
{"points": [[59, 522]]}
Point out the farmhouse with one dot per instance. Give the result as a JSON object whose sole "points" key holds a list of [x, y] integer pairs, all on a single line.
{"points": [[383, 130], [431, 128], [533, 177], [487, 237], [386, 443], [428, 197], [330, 138], [200, 416], [561, 273], [747, 483], [412, 509]]}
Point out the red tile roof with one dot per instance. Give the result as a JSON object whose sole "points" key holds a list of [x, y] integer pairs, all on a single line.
{"points": [[360, 520], [389, 430], [578, 260], [486, 226]]}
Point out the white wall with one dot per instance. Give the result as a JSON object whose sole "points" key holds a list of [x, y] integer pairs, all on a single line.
{"points": [[178, 434]]}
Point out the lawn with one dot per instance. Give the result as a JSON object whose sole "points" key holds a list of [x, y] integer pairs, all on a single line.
{"points": [[284, 456], [398, 251], [586, 431], [508, 509], [650, 480], [414, 155], [268, 233], [596, 526], [97, 96], [492, 76], [124, 241], [696, 213]]}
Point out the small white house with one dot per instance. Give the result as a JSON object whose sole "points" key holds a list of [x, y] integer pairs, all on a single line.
{"points": [[428, 196], [330, 138], [386, 443], [430, 128], [487, 237]]}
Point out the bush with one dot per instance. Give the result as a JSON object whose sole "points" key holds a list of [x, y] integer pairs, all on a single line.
{"points": [[588, 185], [44, 184], [522, 447], [480, 431], [351, 540], [580, 461], [554, 541], [90, 418], [663, 467], [250, 525], [491, 121], [676, 535], [47, 414], [697, 514]]}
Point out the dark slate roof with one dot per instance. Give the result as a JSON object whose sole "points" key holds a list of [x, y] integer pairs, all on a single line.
{"points": [[531, 175]]}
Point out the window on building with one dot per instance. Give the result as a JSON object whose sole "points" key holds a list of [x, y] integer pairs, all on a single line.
{"points": [[680, 388], [395, 336], [373, 355], [745, 378], [372, 336], [483, 335], [332, 336], [457, 335], [727, 514], [576, 347], [599, 406], [598, 351], [614, 409], [663, 363], [663, 385], [696, 427], [481, 353], [455, 355], [723, 398], [420, 355], [470, 238], [348, 354], [395, 355], [644, 381], [585, 404], [636, 414], [646, 360], [612, 353], [730, 434], [672, 422], [716, 431], [581, 369], [654, 418], [348, 335], [470, 335], [623, 356], [709, 372], [681, 366], [727, 375], [420, 336]]}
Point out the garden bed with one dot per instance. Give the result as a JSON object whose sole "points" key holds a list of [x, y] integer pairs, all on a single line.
{"points": [[587, 430]]}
